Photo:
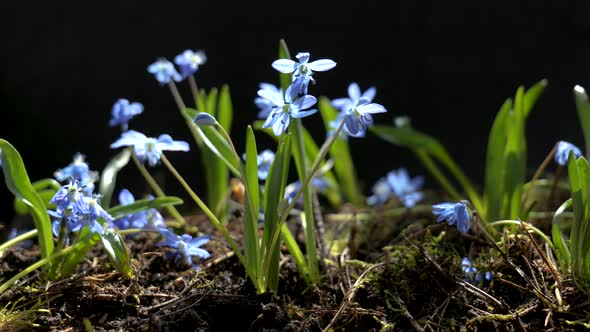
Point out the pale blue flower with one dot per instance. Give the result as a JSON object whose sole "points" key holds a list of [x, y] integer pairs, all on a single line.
{"points": [[186, 246], [204, 119], [381, 192], [285, 108], [189, 61], [266, 105], [149, 148], [563, 152], [454, 213], [471, 273], [357, 110], [164, 71], [406, 189], [302, 70], [89, 216], [264, 161], [80, 171], [150, 218], [123, 111], [71, 193]]}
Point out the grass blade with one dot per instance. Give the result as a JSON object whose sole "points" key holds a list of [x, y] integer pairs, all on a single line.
{"points": [[251, 245], [583, 108]]}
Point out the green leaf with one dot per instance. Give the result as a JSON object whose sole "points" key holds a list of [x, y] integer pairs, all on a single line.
{"points": [[225, 109], [117, 251], [340, 152], [46, 189], [273, 194], [515, 157], [17, 181], [559, 242], [495, 164], [583, 108], [108, 179], [211, 99], [86, 241], [216, 143], [532, 95], [142, 205], [252, 253]]}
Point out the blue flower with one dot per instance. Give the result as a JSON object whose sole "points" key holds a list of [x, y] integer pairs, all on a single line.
{"points": [[381, 192], [563, 152], [80, 171], [123, 111], [89, 215], [266, 105], [204, 119], [283, 110], [454, 213], [189, 62], [149, 148], [150, 218], [471, 274], [357, 110], [67, 195], [164, 71], [405, 188], [185, 245], [319, 183], [265, 160], [302, 70]]}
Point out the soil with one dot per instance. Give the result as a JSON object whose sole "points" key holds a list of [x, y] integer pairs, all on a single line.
{"points": [[386, 277]]}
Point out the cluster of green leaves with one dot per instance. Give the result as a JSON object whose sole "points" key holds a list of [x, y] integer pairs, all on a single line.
{"points": [[33, 199], [505, 163]]}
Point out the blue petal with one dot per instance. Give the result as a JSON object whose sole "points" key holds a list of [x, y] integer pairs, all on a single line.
{"points": [[281, 125], [297, 114], [369, 94], [130, 138], [204, 119], [125, 197], [284, 65], [321, 65], [304, 102], [302, 57], [354, 92], [371, 108]]}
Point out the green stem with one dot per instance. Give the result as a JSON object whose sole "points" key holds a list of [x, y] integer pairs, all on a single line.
{"points": [[533, 228], [209, 214], [538, 173], [28, 235], [156, 188], [302, 170], [194, 90], [176, 95]]}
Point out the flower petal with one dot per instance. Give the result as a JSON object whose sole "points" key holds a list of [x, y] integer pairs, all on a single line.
{"points": [[284, 65], [343, 104], [354, 92], [302, 57], [128, 138], [297, 114], [321, 65], [370, 94], [126, 197], [371, 108], [304, 102]]}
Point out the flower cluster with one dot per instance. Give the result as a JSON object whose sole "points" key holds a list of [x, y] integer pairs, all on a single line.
{"points": [[397, 184], [471, 274], [150, 219], [149, 148], [188, 62], [79, 170], [75, 209], [455, 214]]}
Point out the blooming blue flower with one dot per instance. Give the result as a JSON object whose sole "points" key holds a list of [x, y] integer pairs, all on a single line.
{"points": [[265, 160], [123, 111], [302, 70], [189, 62], [80, 171], [407, 190], [381, 192], [164, 71], [69, 194], [150, 218], [89, 215], [149, 148], [563, 152], [266, 105], [471, 274], [282, 110], [357, 110], [454, 213], [186, 246]]}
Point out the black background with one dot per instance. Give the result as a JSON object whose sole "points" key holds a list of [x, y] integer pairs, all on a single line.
{"points": [[448, 65]]}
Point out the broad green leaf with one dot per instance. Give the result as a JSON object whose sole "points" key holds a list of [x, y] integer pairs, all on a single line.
{"points": [[273, 194], [215, 142], [211, 100], [108, 179], [86, 241], [117, 251], [583, 108], [532, 95], [251, 246], [17, 181], [225, 109], [143, 204], [46, 189], [515, 157], [340, 152], [495, 164]]}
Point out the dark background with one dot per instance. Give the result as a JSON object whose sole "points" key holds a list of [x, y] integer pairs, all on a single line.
{"points": [[449, 66]]}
